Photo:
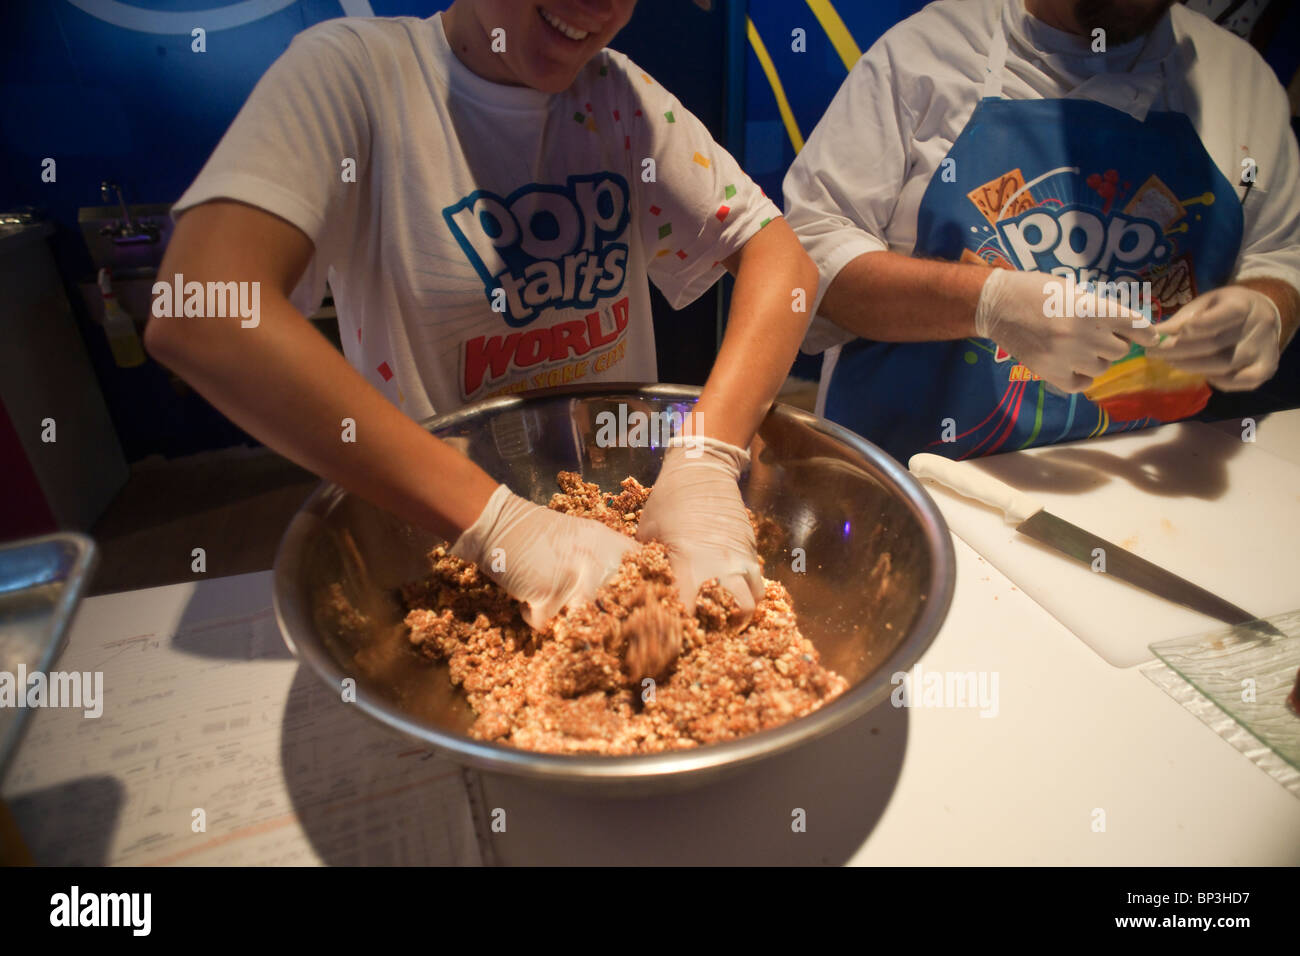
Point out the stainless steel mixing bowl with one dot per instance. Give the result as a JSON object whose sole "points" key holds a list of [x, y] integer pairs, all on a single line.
{"points": [[875, 584]]}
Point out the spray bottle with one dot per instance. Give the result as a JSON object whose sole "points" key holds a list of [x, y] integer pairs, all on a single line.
{"points": [[119, 327]]}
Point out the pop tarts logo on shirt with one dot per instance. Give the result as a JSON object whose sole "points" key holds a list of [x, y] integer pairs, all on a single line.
{"points": [[545, 247], [1046, 238]]}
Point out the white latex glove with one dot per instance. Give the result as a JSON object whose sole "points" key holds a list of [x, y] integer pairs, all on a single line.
{"points": [[1232, 336], [696, 510], [1067, 351], [549, 559]]}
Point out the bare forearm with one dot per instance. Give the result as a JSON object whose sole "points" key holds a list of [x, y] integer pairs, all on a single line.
{"points": [[1284, 296], [287, 386], [775, 286], [889, 297]]}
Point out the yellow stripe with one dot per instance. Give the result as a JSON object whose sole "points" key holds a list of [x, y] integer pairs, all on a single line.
{"points": [[839, 34], [769, 69]]}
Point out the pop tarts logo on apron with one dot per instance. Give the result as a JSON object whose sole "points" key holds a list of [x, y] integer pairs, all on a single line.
{"points": [[1075, 241], [1069, 187], [1095, 226]]}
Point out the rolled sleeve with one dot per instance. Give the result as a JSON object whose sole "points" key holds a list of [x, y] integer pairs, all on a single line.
{"points": [[843, 187]]}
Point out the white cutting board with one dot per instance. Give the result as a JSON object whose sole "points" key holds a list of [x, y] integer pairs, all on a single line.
{"points": [[1194, 499]]}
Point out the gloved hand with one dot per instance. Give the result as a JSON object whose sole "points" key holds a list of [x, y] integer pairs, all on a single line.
{"points": [[1067, 351], [1232, 336], [549, 559], [696, 510]]}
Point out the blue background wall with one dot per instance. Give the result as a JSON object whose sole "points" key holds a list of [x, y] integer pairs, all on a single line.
{"points": [[809, 79], [835, 33]]}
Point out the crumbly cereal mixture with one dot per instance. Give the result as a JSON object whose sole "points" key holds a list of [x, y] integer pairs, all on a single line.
{"points": [[568, 689]]}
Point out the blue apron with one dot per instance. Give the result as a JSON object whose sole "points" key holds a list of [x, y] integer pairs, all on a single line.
{"points": [[1067, 186]]}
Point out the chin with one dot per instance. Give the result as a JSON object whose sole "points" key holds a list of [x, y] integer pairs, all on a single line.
{"points": [[544, 73], [1121, 21], [539, 56]]}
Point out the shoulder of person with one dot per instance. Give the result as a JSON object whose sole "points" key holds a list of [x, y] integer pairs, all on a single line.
{"points": [[369, 38], [617, 72], [944, 38], [950, 26], [1220, 50]]}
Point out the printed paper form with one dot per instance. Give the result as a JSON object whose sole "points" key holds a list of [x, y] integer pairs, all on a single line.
{"points": [[205, 710]]}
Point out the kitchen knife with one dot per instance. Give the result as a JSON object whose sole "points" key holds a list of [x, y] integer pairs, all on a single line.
{"points": [[1033, 521]]}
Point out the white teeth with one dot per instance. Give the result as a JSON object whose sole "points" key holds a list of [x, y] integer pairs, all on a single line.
{"points": [[573, 33]]}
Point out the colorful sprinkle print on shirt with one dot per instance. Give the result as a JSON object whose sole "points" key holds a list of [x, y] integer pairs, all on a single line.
{"points": [[514, 254]]}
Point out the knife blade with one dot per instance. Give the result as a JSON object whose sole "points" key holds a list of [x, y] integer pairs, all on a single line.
{"points": [[1034, 521]]}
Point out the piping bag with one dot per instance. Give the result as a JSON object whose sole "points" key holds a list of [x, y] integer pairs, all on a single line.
{"points": [[1138, 386]]}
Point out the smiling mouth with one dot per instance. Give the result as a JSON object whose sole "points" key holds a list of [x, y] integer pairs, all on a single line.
{"points": [[564, 29]]}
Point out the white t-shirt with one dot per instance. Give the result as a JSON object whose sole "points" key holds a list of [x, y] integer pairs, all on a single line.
{"points": [[493, 238], [858, 182]]}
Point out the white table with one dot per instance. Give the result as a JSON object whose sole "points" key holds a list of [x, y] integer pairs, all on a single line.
{"points": [[1072, 736]]}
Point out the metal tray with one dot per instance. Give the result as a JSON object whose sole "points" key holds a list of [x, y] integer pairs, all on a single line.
{"points": [[41, 583]]}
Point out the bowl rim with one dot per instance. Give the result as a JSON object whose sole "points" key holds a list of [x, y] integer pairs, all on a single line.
{"points": [[293, 618]]}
